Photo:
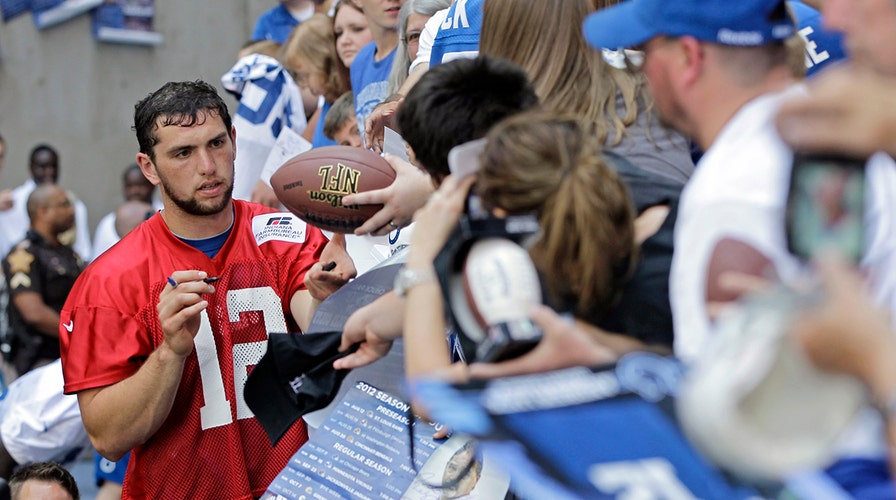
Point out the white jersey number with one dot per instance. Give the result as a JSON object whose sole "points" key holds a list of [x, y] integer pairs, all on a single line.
{"points": [[217, 409], [647, 479]]}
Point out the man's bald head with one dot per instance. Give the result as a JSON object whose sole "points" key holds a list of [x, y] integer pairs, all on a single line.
{"points": [[129, 215], [43, 195]]}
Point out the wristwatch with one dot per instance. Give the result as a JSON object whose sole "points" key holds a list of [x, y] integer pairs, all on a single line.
{"points": [[408, 278]]}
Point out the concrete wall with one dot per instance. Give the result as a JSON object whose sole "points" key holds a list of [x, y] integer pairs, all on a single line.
{"points": [[60, 86]]}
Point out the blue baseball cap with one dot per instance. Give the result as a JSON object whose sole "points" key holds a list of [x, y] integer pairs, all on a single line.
{"points": [[725, 22]]}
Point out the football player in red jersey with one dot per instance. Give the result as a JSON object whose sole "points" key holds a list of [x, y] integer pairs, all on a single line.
{"points": [[157, 352]]}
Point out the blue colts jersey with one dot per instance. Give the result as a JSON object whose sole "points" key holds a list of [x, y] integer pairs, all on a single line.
{"points": [[458, 35]]}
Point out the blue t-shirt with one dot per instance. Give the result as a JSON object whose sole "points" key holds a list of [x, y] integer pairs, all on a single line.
{"points": [[459, 33], [319, 139], [275, 24], [370, 81]]}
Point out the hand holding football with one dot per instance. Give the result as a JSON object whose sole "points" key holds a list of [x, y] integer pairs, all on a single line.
{"points": [[312, 184]]}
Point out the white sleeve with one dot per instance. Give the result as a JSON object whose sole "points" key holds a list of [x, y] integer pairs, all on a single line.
{"points": [[427, 37], [82, 232], [696, 235]]}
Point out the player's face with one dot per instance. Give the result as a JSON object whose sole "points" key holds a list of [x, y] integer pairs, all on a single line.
{"points": [[870, 29], [194, 165], [352, 34]]}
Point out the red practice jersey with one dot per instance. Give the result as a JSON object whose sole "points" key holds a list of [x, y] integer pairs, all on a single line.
{"points": [[211, 445]]}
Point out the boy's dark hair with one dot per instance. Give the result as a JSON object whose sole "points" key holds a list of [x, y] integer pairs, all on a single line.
{"points": [[50, 472], [176, 103], [457, 102], [342, 109]]}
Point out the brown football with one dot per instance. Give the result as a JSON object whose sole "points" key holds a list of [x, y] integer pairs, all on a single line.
{"points": [[312, 184]]}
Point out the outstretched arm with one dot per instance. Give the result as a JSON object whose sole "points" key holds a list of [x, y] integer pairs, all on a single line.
{"points": [[321, 283], [407, 193], [426, 349], [564, 344], [849, 334], [374, 327], [384, 114], [831, 118], [124, 415]]}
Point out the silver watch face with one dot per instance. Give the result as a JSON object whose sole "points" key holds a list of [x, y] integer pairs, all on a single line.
{"points": [[409, 278]]}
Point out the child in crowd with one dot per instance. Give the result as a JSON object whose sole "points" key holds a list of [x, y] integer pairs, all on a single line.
{"points": [[340, 125]]}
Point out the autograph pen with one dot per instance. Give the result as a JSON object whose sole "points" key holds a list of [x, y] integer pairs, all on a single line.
{"points": [[210, 279]]}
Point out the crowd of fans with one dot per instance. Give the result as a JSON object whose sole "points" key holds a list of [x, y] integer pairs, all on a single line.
{"points": [[652, 140]]}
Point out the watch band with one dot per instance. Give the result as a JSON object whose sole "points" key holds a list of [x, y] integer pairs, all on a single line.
{"points": [[408, 278]]}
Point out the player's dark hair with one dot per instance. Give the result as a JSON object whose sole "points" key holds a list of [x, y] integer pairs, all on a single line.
{"points": [[176, 103], [44, 471], [458, 102]]}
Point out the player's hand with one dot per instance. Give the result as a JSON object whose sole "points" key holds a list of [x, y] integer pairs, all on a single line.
{"points": [[563, 345], [179, 306], [264, 194], [436, 220], [400, 199], [382, 116], [833, 118], [6, 200], [322, 283]]}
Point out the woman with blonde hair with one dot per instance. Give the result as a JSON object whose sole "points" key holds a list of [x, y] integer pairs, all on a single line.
{"points": [[310, 55], [351, 30], [543, 37]]}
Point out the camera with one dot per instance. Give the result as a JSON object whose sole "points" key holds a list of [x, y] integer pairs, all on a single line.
{"points": [[826, 206], [488, 282]]}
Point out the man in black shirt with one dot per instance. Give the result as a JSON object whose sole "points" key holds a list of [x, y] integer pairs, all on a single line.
{"points": [[39, 272]]}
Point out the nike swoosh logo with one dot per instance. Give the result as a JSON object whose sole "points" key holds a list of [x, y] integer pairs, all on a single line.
{"points": [[69, 326]]}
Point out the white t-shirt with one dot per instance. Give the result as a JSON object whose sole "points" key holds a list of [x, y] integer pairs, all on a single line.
{"points": [[15, 222], [739, 191]]}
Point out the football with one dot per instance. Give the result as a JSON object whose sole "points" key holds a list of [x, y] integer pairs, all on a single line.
{"points": [[490, 299], [500, 282], [312, 184]]}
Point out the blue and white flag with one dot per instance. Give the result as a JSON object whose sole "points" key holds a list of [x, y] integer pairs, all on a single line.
{"points": [[270, 101]]}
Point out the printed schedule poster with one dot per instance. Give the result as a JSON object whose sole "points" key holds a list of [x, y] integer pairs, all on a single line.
{"points": [[361, 451]]}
